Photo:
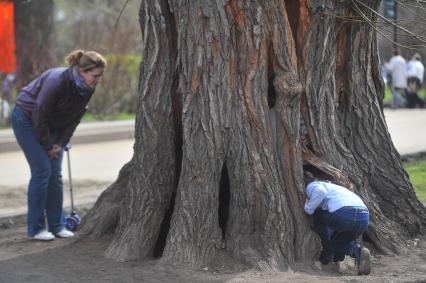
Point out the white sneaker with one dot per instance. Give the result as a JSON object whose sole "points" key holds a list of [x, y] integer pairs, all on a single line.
{"points": [[43, 236], [64, 233], [364, 265]]}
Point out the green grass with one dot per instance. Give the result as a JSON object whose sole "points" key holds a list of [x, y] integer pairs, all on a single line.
{"points": [[88, 117], [417, 172], [388, 95]]}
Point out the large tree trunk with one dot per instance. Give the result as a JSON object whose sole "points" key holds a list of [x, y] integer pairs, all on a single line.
{"points": [[226, 96], [34, 38]]}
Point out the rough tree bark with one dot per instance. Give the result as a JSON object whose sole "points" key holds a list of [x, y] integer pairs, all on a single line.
{"points": [[234, 97], [34, 38]]}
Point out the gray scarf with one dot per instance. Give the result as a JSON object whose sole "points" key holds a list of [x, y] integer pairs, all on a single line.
{"points": [[83, 89]]}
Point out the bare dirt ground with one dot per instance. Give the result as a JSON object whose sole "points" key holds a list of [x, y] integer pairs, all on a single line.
{"points": [[82, 260]]}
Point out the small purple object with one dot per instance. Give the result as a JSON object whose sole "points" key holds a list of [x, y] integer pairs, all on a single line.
{"points": [[72, 221]]}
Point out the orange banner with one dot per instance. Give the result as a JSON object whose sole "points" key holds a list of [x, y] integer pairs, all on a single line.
{"points": [[7, 38]]}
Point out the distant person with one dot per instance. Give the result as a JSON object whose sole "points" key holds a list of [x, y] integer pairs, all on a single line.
{"points": [[46, 113], [8, 85], [340, 217], [385, 76], [415, 71], [398, 70]]}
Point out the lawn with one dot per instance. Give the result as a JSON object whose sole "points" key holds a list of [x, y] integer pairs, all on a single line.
{"points": [[88, 117], [417, 172], [388, 95]]}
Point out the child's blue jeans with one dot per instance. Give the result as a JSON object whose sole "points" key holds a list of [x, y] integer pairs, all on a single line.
{"points": [[338, 231]]}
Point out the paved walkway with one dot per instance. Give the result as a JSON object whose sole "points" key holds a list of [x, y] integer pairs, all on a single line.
{"points": [[94, 166], [407, 128], [96, 161], [101, 149], [86, 133]]}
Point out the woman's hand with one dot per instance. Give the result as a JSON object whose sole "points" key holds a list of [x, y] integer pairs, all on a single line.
{"points": [[55, 151]]}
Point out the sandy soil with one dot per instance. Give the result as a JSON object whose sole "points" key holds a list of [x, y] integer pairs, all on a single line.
{"points": [[82, 260]]}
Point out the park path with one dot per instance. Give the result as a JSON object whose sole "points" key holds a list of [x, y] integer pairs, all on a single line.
{"points": [[96, 164]]}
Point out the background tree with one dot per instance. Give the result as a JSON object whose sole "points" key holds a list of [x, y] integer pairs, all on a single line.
{"points": [[234, 97], [47, 30], [406, 30], [111, 28], [34, 38]]}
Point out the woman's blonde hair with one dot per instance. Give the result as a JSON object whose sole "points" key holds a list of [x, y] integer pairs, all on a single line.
{"points": [[85, 60]]}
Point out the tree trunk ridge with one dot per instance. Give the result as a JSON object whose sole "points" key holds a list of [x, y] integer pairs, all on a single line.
{"points": [[235, 96]]}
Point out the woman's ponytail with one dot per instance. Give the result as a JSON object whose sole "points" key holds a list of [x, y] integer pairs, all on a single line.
{"points": [[73, 58], [85, 60]]}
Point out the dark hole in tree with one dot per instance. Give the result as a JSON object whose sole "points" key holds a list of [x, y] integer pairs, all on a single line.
{"points": [[164, 229], [293, 8], [224, 197], [272, 96], [178, 140], [317, 173]]}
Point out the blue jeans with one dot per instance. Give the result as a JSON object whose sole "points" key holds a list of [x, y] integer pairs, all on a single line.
{"points": [[45, 192], [398, 99], [338, 231]]}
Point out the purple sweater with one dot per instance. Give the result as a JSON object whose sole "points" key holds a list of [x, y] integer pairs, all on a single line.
{"points": [[54, 104]]}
